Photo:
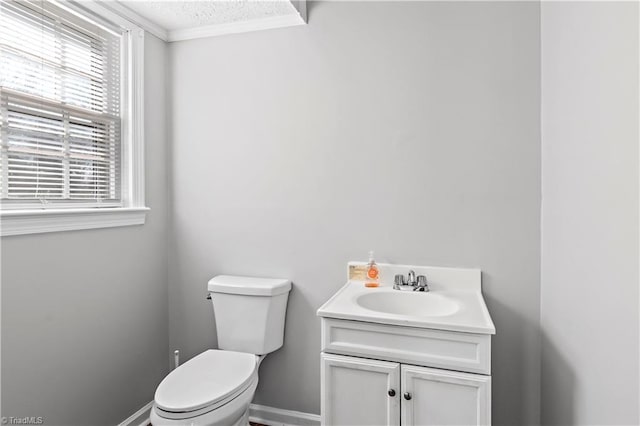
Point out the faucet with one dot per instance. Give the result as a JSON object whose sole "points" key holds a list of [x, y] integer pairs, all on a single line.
{"points": [[411, 278], [412, 282]]}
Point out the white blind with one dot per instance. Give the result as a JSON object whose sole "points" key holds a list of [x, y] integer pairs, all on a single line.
{"points": [[60, 99]]}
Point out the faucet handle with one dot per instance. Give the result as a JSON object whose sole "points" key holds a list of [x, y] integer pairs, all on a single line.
{"points": [[422, 283], [398, 281]]}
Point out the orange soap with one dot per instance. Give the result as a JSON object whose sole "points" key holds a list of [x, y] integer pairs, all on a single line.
{"points": [[372, 272]]}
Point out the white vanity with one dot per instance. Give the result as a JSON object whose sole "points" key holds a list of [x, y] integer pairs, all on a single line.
{"points": [[392, 357]]}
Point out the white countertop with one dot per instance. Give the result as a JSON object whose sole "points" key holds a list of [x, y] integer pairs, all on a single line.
{"points": [[471, 316]]}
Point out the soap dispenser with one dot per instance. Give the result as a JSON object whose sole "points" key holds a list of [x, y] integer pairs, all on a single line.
{"points": [[372, 273]]}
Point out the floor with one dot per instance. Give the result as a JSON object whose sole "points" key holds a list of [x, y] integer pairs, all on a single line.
{"points": [[251, 423]]}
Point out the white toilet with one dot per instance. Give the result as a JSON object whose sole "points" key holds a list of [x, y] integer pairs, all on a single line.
{"points": [[217, 386]]}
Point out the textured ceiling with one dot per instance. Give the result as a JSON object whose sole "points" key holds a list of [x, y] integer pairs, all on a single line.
{"points": [[177, 15]]}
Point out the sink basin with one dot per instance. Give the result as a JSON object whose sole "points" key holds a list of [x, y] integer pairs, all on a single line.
{"points": [[455, 302], [409, 303]]}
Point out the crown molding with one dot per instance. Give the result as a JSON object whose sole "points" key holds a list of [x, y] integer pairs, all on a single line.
{"points": [[211, 30], [236, 27], [150, 27]]}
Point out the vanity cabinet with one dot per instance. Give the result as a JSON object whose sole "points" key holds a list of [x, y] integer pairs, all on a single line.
{"points": [[359, 391], [396, 358], [378, 374]]}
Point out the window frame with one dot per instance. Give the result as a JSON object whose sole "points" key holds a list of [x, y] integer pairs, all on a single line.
{"points": [[133, 211]]}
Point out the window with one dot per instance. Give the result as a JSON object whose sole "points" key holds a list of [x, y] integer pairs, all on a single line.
{"points": [[70, 116]]}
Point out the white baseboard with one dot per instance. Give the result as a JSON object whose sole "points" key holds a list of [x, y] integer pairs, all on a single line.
{"points": [[278, 417], [139, 418], [257, 413]]}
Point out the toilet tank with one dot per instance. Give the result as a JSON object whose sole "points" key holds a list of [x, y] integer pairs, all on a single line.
{"points": [[249, 312]]}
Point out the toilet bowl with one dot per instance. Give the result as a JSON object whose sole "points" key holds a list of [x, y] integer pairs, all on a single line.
{"points": [[214, 388], [217, 386]]}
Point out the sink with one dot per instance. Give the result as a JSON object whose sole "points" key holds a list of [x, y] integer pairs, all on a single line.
{"points": [[455, 302], [409, 303]]}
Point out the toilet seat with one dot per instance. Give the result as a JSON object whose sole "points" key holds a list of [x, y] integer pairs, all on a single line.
{"points": [[204, 383], [228, 404]]}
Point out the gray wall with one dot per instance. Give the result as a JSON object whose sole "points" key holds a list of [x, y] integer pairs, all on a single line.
{"points": [[84, 313], [408, 128], [589, 304]]}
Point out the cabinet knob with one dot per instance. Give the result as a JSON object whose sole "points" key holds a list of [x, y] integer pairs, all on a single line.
{"points": [[392, 392], [407, 396]]}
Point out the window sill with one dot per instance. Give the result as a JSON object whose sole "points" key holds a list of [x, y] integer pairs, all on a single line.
{"points": [[19, 222]]}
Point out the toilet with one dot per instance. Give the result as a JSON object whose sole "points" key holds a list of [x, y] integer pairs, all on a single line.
{"points": [[217, 386]]}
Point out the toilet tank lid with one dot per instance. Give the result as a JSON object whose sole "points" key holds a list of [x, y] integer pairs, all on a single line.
{"points": [[253, 286]]}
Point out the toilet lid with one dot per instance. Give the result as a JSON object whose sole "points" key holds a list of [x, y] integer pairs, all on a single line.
{"points": [[204, 380]]}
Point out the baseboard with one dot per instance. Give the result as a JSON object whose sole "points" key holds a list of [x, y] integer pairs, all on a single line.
{"points": [[139, 418], [257, 413], [278, 417]]}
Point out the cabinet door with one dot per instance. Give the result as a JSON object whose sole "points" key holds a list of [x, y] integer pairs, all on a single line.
{"points": [[357, 391], [433, 397]]}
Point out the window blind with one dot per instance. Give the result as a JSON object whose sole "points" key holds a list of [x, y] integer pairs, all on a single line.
{"points": [[60, 97]]}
